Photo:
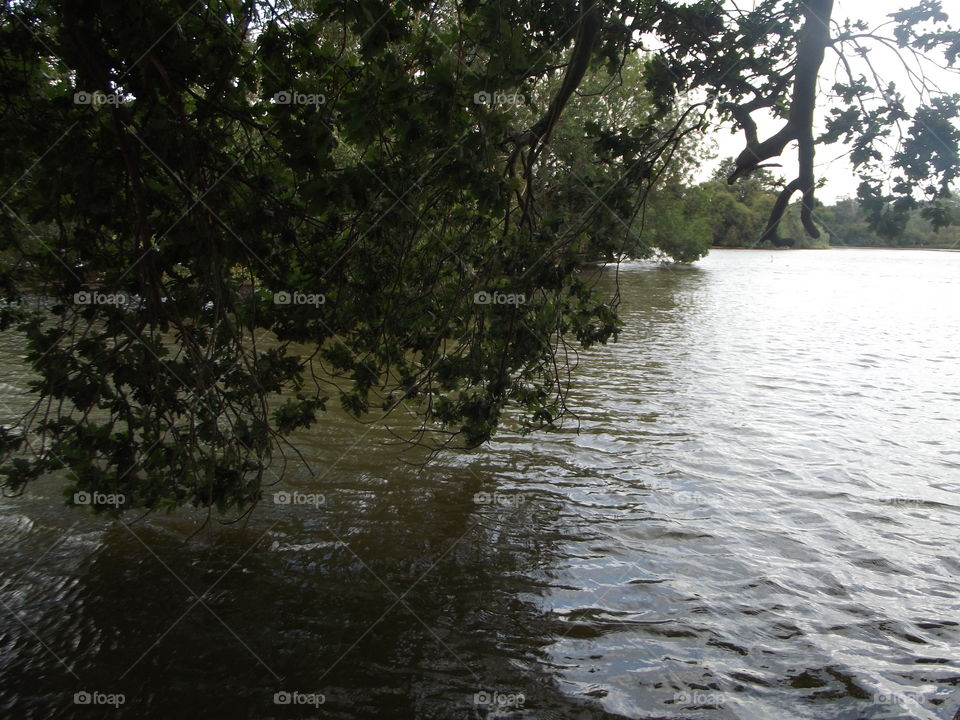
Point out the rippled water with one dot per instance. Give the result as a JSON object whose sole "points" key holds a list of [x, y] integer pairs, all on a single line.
{"points": [[757, 519]]}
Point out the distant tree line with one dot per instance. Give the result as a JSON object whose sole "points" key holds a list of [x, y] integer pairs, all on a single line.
{"points": [[847, 225], [681, 218], [737, 215]]}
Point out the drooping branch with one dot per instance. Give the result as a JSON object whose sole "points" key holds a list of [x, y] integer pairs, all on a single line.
{"points": [[742, 112], [779, 208], [814, 38], [588, 29], [531, 141]]}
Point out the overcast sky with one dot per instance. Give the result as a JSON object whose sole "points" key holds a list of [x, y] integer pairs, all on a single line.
{"points": [[841, 180]]}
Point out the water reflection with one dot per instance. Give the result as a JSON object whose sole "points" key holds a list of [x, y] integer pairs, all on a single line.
{"points": [[398, 596]]}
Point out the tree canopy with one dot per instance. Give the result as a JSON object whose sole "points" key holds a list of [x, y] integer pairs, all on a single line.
{"points": [[219, 217]]}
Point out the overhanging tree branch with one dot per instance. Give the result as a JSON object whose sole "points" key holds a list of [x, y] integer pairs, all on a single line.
{"points": [[814, 38]]}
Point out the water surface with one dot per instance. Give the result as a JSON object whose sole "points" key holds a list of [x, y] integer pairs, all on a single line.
{"points": [[756, 518]]}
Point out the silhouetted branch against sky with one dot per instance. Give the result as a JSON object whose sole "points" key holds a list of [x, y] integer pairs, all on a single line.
{"points": [[908, 70]]}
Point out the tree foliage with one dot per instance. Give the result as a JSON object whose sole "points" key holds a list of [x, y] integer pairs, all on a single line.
{"points": [[768, 60], [219, 217]]}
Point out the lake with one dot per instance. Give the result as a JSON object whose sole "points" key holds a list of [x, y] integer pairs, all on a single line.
{"points": [[757, 516]]}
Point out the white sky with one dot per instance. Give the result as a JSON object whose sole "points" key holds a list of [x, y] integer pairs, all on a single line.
{"points": [[831, 164]]}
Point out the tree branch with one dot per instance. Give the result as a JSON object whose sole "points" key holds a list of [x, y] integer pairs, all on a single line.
{"points": [[814, 38]]}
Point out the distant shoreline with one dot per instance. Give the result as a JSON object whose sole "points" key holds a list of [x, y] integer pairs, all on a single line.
{"points": [[838, 247], [874, 247]]}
